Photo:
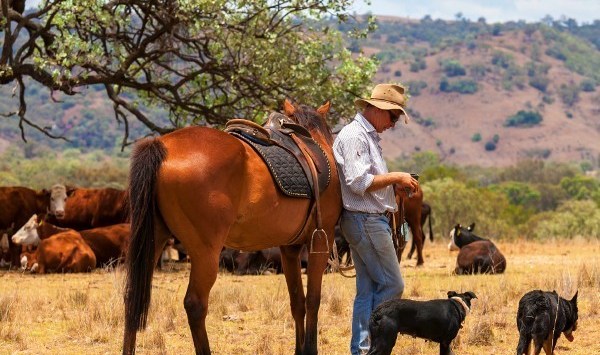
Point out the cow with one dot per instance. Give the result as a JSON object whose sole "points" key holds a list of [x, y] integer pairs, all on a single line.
{"points": [[91, 208], [477, 255], [62, 252], [425, 215], [256, 262], [108, 243], [18, 203]]}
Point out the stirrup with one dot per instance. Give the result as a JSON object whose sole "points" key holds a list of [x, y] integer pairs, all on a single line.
{"points": [[312, 238]]}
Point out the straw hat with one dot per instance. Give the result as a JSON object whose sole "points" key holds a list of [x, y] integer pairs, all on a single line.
{"points": [[386, 97]]}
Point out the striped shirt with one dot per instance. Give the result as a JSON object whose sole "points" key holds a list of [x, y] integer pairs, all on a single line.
{"points": [[359, 158]]}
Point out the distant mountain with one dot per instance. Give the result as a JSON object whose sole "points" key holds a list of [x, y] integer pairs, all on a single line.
{"points": [[490, 95], [481, 94]]}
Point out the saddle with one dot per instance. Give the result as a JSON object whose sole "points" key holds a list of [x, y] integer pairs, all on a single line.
{"points": [[286, 148]]}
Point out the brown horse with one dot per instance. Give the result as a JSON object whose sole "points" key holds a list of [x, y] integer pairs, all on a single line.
{"points": [[210, 190], [411, 209]]}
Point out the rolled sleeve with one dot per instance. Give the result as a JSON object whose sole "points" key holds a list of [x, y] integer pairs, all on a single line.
{"points": [[357, 176]]}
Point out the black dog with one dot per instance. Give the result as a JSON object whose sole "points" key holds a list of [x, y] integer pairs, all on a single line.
{"points": [[435, 320], [537, 317]]}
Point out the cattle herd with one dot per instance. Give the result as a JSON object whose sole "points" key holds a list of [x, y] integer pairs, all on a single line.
{"points": [[67, 229]]}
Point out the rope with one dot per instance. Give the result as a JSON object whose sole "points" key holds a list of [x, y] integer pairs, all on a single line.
{"points": [[555, 320]]}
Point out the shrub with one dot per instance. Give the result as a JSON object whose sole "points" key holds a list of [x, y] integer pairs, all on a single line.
{"points": [[398, 73], [539, 82], [588, 85], [524, 119], [476, 137], [453, 67], [501, 59], [556, 52], [569, 94], [467, 86], [415, 87], [496, 138], [490, 146]]}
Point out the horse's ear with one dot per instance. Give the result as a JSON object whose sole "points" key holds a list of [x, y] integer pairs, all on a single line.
{"points": [[324, 108], [288, 108]]}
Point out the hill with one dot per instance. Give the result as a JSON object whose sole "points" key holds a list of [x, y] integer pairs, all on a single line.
{"points": [[467, 79], [481, 94]]}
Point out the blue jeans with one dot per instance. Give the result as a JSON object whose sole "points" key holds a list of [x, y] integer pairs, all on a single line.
{"points": [[378, 275]]}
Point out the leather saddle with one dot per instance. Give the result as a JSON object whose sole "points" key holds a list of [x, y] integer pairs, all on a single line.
{"points": [[286, 146]]}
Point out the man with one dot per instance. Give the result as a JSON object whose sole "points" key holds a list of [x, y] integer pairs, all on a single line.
{"points": [[368, 196]]}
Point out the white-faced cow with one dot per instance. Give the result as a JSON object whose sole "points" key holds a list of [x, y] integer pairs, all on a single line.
{"points": [[477, 255], [108, 243], [92, 208], [62, 252], [17, 204]]}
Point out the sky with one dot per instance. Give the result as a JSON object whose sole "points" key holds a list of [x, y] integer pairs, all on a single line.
{"points": [[492, 10]]}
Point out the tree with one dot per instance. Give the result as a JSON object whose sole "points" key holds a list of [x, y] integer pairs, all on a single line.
{"points": [[203, 61]]}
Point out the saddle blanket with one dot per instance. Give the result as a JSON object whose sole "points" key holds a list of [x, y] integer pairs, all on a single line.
{"points": [[284, 167]]}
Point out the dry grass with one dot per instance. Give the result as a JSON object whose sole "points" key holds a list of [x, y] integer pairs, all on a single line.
{"points": [[75, 314]]}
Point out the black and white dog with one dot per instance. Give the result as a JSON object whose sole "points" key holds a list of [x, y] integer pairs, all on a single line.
{"points": [[539, 321], [435, 320]]}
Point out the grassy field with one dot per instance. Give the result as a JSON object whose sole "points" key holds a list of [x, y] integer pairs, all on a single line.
{"points": [[82, 313]]}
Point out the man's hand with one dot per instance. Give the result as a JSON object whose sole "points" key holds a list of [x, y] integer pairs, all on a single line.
{"points": [[401, 180]]}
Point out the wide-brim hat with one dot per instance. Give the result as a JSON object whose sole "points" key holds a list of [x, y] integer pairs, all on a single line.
{"points": [[386, 97]]}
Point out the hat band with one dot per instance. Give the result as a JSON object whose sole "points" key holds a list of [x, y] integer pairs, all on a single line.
{"points": [[388, 101]]}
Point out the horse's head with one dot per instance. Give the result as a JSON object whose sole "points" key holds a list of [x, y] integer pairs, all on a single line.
{"points": [[314, 120]]}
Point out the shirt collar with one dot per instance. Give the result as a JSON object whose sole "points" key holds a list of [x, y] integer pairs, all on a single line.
{"points": [[364, 122]]}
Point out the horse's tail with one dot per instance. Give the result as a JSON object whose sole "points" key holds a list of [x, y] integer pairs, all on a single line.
{"points": [[146, 159]]}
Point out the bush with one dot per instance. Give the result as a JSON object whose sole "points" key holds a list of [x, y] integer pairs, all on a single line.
{"points": [[569, 94], [453, 68], [415, 87], [524, 119], [556, 52], [398, 73], [588, 85], [490, 146], [501, 59], [539, 82], [461, 86], [476, 137]]}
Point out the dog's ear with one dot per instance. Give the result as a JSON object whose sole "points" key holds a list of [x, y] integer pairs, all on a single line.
{"points": [[470, 294], [574, 299], [452, 294], [471, 227]]}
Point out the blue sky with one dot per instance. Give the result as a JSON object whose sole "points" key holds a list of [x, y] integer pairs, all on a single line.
{"points": [[492, 10]]}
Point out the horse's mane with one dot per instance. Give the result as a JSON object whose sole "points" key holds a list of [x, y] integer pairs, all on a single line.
{"points": [[312, 120]]}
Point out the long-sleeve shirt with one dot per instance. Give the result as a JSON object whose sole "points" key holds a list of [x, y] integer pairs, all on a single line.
{"points": [[359, 158]]}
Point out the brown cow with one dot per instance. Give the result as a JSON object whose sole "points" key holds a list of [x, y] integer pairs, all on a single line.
{"points": [[477, 255], [17, 204], [63, 252], [256, 262], [91, 208], [107, 243]]}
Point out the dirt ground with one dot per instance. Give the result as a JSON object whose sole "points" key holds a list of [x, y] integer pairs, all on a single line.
{"points": [[82, 313]]}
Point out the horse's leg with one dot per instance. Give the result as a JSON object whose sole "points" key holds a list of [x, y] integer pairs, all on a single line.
{"points": [[203, 274], [417, 232], [291, 268], [316, 266], [412, 249]]}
